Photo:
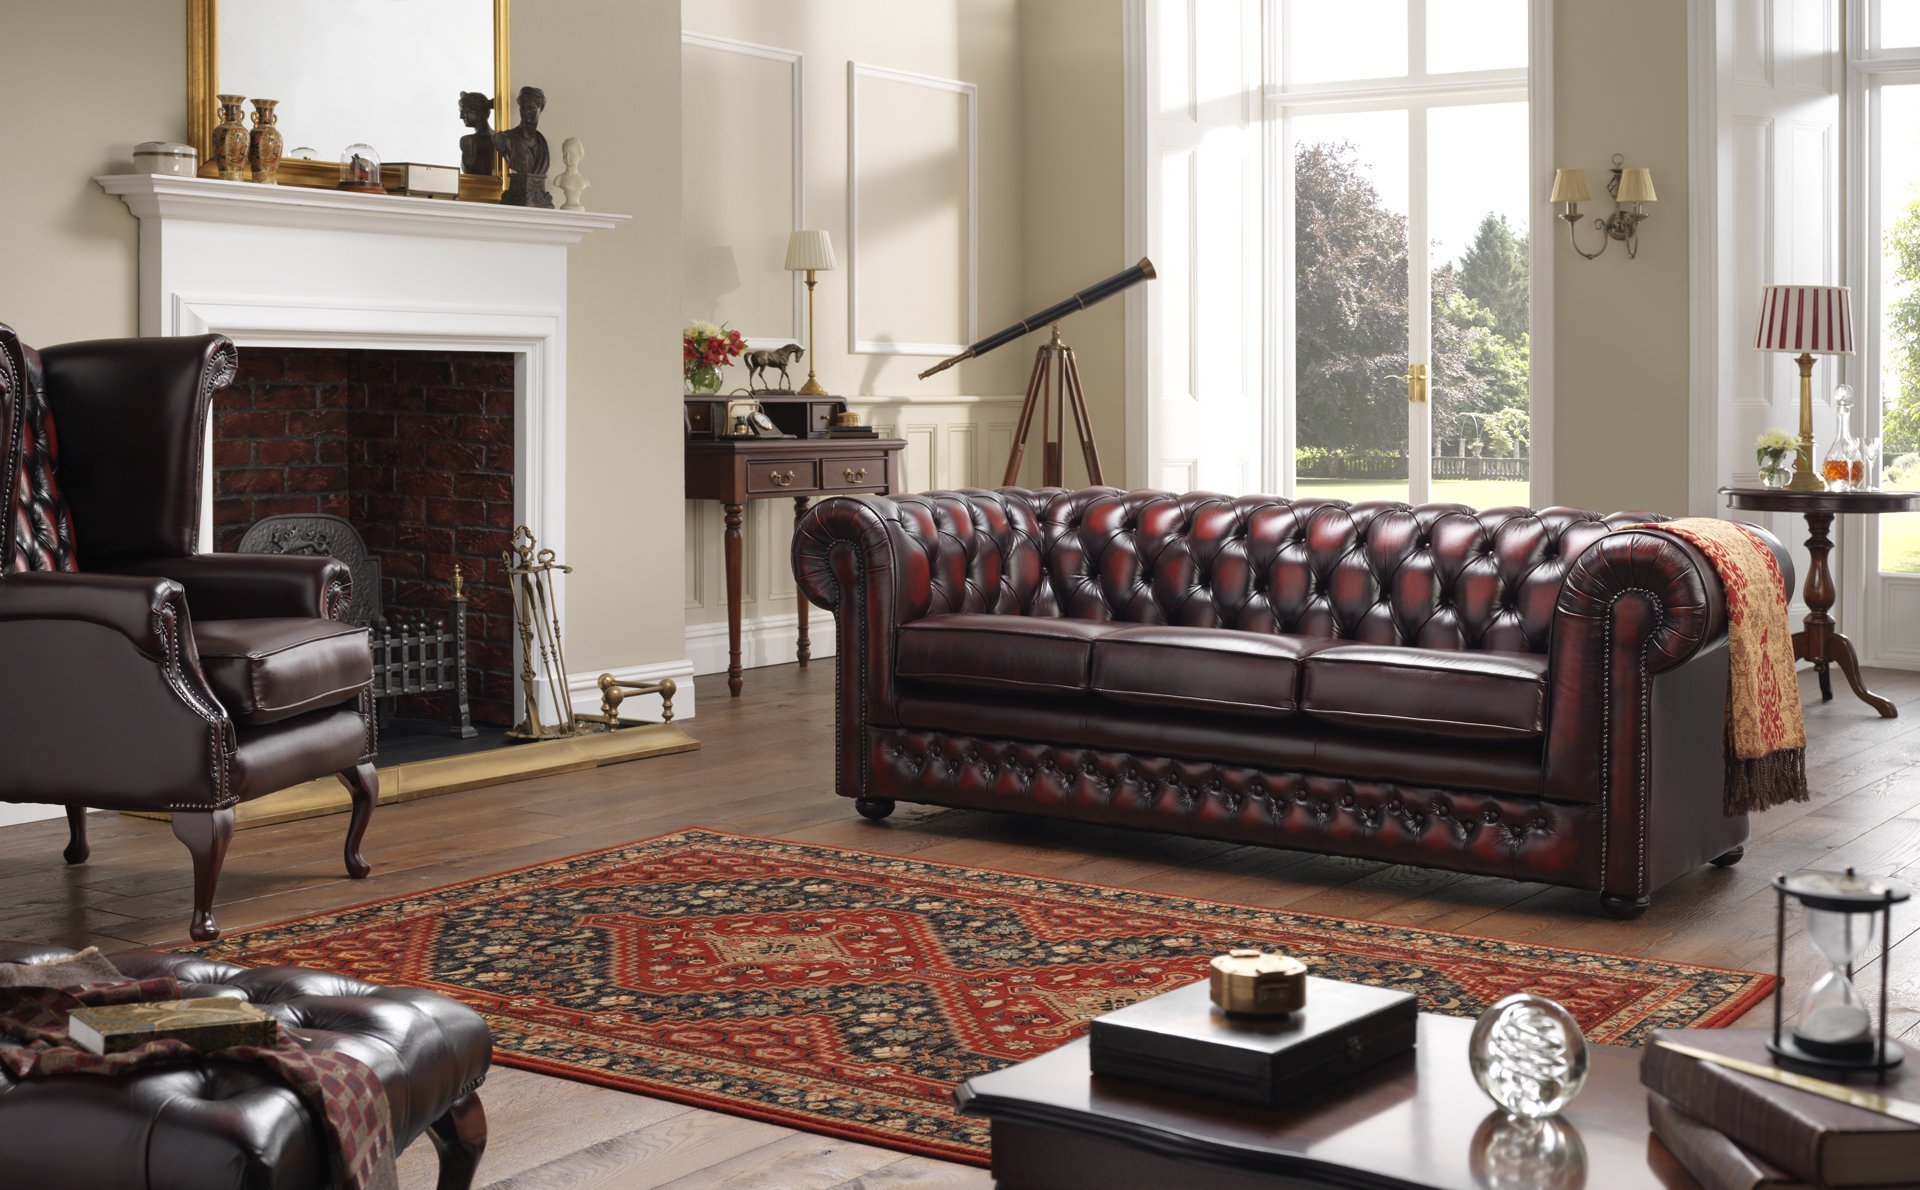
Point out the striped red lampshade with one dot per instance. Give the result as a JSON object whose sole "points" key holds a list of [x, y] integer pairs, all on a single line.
{"points": [[1817, 319]]}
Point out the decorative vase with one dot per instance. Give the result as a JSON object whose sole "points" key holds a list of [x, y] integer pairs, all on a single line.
{"points": [[230, 140], [1775, 474], [265, 146], [703, 379]]}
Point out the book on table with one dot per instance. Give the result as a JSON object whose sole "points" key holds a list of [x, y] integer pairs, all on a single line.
{"points": [[1807, 1136], [1713, 1160], [205, 1023]]}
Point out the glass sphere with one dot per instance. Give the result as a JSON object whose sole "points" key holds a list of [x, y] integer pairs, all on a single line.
{"points": [[1528, 1055], [360, 169]]}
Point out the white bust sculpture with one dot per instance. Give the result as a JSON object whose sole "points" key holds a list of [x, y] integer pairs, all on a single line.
{"points": [[569, 182]]}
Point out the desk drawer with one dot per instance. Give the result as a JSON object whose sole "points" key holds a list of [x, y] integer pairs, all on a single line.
{"points": [[789, 475], [853, 473]]}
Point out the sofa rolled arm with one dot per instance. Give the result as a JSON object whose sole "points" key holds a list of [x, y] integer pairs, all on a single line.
{"points": [[1641, 618], [252, 586]]}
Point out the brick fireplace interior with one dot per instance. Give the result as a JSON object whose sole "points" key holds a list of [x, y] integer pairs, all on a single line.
{"points": [[415, 449]]}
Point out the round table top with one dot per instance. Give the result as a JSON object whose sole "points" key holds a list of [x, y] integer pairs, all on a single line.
{"points": [[1782, 500]]}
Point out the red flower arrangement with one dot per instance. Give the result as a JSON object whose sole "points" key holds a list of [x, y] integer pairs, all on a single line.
{"points": [[704, 349]]}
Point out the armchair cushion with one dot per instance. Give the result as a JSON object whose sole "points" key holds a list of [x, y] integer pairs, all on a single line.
{"points": [[264, 671], [1203, 669], [1468, 694], [1027, 653]]}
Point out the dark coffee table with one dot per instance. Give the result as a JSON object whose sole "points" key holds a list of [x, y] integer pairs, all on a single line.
{"points": [[1417, 1122]]}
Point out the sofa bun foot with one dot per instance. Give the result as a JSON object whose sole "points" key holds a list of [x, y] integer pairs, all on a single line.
{"points": [[874, 808], [1623, 907], [1729, 859]]}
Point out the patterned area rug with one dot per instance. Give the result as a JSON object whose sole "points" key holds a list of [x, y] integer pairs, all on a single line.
{"points": [[846, 993]]}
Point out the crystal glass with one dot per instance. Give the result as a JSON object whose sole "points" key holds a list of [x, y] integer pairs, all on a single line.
{"points": [[1528, 1055], [1868, 479]]}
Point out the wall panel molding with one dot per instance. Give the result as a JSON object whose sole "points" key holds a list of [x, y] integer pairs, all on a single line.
{"points": [[857, 342]]}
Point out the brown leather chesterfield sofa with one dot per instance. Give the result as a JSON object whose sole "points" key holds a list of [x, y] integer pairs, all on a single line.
{"points": [[220, 1125], [1533, 694], [115, 696]]}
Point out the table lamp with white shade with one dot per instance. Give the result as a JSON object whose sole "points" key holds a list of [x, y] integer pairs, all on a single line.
{"points": [[1808, 320], [811, 251]]}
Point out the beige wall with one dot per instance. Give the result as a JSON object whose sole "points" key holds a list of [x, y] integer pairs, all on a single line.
{"points": [[69, 269], [1621, 326], [1071, 189]]}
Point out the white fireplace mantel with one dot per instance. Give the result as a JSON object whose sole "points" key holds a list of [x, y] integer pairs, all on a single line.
{"points": [[290, 266]]}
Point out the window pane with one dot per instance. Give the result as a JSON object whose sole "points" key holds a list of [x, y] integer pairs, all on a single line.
{"points": [[1899, 137], [1350, 305], [1325, 42], [1476, 35], [1899, 23], [1477, 218]]}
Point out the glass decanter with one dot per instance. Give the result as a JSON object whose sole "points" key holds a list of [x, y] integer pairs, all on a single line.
{"points": [[1842, 466]]}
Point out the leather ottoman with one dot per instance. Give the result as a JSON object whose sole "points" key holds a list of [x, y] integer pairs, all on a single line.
{"points": [[212, 1125]]}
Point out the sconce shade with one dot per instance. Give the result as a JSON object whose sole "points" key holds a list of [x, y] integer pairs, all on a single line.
{"points": [[1569, 185], [1817, 319], [809, 250], [1636, 185]]}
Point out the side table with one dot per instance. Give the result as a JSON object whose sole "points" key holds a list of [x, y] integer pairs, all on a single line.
{"points": [[736, 470], [1820, 640]]}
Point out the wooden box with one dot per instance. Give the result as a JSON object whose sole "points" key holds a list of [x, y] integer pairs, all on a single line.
{"points": [[1181, 1040]]}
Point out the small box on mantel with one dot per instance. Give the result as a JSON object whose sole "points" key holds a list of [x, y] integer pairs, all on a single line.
{"points": [[1181, 1040], [415, 180]]}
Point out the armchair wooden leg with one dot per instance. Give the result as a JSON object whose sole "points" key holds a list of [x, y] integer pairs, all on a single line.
{"points": [[77, 850], [461, 1138], [363, 783], [206, 834]]}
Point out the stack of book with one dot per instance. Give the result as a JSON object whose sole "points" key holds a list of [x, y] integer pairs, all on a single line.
{"points": [[1738, 1131]]}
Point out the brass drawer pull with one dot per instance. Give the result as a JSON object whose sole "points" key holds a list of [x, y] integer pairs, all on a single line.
{"points": [[853, 476], [783, 478]]}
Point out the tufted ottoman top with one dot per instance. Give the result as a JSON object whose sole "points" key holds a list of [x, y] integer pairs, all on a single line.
{"points": [[218, 1124]]}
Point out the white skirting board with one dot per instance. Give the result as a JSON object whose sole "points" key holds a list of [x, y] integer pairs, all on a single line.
{"points": [[764, 640], [14, 815]]}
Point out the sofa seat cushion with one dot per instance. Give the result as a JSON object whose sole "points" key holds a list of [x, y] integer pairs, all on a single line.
{"points": [[264, 671], [1256, 674], [1468, 694], [1029, 653]]}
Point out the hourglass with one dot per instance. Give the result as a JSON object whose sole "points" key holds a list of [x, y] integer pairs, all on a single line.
{"points": [[1834, 1032]]}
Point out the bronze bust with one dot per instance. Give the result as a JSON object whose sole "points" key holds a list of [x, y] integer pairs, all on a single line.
{"points": [[525, 150], [476, 148]]}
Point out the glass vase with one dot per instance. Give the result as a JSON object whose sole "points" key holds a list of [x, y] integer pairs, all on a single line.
{"points": [[703, 379], [1775, 474]]}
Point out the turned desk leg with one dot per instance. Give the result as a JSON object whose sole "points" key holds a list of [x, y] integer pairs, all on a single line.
{"points": [[1819, 640], [803, 647], [734, 575]]}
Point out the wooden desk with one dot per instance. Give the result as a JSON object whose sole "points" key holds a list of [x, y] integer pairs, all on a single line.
{"points": [[1820, 640], [736, 470], [1417, 1122]]}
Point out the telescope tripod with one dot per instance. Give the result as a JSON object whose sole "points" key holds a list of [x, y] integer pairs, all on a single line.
{"points": [[1054, 385]]}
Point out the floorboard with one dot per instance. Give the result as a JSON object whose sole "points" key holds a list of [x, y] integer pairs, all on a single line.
{"points": [[764, 769]]}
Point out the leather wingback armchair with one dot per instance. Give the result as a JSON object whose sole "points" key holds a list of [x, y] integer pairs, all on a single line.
{"points": [[116, 695], [1537, 694]]}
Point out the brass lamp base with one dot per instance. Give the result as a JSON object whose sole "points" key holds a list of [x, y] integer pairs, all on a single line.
{"points": [[1805, 478], [813, 387]]}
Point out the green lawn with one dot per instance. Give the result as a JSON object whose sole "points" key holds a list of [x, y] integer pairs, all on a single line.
{"points": [[1899, 535]]}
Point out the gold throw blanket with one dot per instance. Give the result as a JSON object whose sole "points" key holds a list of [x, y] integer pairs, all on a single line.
{"points": [[1766, 734]]}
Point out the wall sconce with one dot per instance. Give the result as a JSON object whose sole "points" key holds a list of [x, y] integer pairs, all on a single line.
{"points": [[1631, 190]]}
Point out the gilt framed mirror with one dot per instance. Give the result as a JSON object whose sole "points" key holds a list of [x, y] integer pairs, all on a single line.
{"points": [[379, 72]]}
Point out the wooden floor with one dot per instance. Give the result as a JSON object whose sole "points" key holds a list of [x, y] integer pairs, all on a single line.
{"points": [[765, 768]]}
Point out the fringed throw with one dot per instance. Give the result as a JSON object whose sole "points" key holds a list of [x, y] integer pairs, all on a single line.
{"points": [[1766, 734]]}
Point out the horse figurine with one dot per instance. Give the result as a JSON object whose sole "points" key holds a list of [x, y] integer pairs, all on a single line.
{"points": [[777, 358]]}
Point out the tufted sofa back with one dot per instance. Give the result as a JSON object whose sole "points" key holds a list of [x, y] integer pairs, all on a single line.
{"points": [[38, 530], [1438, 576]]}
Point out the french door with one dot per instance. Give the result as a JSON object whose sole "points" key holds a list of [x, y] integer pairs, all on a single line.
{"points": [[1403, 188]]}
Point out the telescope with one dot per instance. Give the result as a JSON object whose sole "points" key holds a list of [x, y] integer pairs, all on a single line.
{"points": [[1055, 383]]}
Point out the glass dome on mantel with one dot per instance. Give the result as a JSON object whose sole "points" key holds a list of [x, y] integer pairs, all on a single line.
{"points": [[360, 169]]}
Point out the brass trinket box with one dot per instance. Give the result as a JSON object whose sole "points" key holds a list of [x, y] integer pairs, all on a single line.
{"points": [[1254, 983]]}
